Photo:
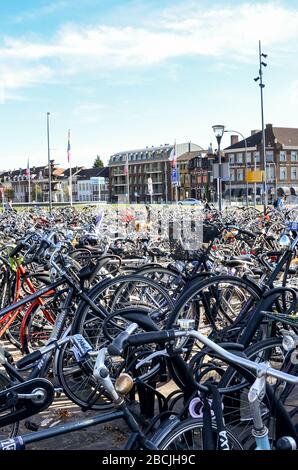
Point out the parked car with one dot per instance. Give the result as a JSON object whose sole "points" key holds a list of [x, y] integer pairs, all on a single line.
{"points": [[191, 202]]}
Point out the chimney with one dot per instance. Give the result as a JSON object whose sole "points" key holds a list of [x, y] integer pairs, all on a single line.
{"points": [[255, 131], [234, 139]]}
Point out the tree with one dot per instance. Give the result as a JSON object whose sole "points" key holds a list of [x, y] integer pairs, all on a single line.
{"points": [[9, 194], [98, 163]]}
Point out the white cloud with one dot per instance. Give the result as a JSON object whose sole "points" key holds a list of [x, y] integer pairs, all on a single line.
{"points": [[189, 30], [14, 77], [42, 11]]}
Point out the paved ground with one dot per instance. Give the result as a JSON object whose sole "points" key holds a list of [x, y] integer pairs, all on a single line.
{"points": [[62, 411]]}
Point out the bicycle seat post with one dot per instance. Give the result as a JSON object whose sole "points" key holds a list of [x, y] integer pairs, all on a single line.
{"points": [[255, 397]]}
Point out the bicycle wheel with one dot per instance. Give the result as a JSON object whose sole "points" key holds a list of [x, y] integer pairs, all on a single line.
{"points": [[10, 430], [188, 435], [38, 327], [76, 377], [217, 304], [171, 280], [125, 292], [234, 387]]}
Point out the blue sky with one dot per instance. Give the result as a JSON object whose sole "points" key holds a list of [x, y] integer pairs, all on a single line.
{"points": [[127, 74]]}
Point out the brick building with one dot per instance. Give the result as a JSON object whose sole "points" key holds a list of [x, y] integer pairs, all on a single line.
{"points": [[149, 162], [281, 162]]}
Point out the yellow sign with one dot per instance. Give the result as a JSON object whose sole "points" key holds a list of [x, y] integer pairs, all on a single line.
{"points": [[254, 176]]}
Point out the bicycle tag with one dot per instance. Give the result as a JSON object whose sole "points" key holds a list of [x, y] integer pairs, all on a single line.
{"points": [[81, 347], [292, 226]]}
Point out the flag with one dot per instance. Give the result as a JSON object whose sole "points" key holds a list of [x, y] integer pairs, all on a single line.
{"points": [[68, 147], [173, 156], [27, 171], [126, 166]]}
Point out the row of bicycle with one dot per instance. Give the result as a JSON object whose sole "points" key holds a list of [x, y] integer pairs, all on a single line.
{"points": [[109, 328]]}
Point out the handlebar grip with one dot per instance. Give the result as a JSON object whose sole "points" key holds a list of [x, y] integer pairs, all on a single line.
{"points": [[151, 337], [16, 249], [117, 346], [29, 359]]}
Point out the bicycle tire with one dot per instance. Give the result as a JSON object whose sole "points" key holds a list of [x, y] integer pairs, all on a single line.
{"points": [[176, 439]]}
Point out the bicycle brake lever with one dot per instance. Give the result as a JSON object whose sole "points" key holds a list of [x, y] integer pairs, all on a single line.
{"points": [[151, 356]]}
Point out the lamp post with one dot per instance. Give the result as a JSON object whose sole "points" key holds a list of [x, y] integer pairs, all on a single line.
{"points": [[245, 145], [49, 163], [259, 79], [275, 177], [219, 131]]}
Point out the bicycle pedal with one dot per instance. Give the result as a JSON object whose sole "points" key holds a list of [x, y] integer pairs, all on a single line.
{"points": [[31, 426]]}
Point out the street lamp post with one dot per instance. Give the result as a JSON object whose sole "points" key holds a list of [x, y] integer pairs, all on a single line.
{"points": [[49, 163], [245, 145], [261, 85], [275, 177], [219, 131]]}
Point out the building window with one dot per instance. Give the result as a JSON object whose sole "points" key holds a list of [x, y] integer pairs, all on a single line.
{"points": [[269, 156], [294, 173], [240, 174], [282, 173], [248, 157], [257, 157], [232, 175], [239, 157], [294, 156], [270, 172], [232, 158], [282, 156]]}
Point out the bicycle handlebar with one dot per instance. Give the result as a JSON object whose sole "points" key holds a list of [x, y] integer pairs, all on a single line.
{"points": [[165, 336]]}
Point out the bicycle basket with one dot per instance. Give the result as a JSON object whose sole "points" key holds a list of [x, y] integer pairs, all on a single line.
{"points": [[210, 232], [179, 253]]}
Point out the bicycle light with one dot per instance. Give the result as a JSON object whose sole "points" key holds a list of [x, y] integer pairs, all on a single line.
{"points": [[186, 324], [124, 384], [284, 242], [289, 341]]}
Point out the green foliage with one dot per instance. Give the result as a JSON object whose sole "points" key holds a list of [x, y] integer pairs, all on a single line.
{"points": [[98, 163]]}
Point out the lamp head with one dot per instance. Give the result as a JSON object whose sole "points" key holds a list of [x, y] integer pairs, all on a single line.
{"points": [[218, 130]]}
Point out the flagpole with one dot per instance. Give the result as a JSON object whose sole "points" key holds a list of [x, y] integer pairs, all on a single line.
{"points": [[70, 169], [29, 183], [176, 168], [70, 185], [127, 181], [174, 184], [49, 163]]}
